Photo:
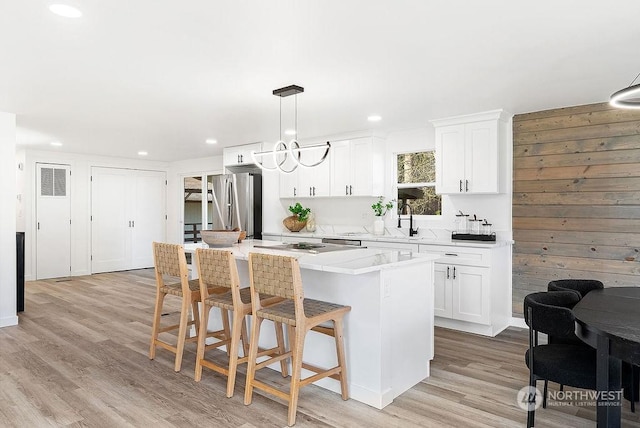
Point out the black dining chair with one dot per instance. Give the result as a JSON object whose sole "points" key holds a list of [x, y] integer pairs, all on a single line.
{"points": [[571, 364], [581, 286], [630, 373]]}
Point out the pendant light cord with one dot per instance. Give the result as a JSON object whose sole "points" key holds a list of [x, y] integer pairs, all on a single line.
{"points": [[634, 80], [280, 118]]}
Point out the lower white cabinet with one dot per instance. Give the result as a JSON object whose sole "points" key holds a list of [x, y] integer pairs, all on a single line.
{"points": [[472, 288], [462, 293]]}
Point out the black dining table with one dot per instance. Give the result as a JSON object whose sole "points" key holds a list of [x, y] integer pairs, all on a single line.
{"points": [[609, 320]]}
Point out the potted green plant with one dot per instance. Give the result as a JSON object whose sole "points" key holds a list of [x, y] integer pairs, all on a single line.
{"points": [[380, 208], [297, 221]]}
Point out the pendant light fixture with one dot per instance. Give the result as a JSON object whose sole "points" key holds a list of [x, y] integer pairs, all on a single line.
{"points": [[281, 150], [628, 97]]}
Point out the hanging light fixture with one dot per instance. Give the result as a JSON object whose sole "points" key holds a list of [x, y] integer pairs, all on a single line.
{"points": [[281, 150], [628, 97]]}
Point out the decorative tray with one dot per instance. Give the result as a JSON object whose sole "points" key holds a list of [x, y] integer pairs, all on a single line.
{"points": [[473, 237]]}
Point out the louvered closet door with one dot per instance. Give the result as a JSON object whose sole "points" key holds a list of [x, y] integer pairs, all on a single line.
{"points": [[53, 221]]}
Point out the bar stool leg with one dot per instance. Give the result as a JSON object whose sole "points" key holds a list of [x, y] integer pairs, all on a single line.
{"points": [[339, 336], [245, 339], [297, 352], [202, 337], [225, 327], [196, 315], [238, 322], [253, 355], [182, 332], [284, 369], [156, 323]]}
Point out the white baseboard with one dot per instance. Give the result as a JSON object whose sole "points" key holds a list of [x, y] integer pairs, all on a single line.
{"points": [[8, 321], [517, 322]]}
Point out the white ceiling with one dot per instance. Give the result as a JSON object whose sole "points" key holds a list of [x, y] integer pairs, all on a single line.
{"points": [[163, 76]]}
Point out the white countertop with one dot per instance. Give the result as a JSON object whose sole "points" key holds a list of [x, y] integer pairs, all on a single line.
{"points": [[424, 237], [353, 261]]}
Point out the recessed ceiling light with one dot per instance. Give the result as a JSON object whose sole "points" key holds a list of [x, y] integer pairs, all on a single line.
{"points": [[211, 141], [65, 10], [56, 143], [290, 132], [374, 118], [142, 153]]}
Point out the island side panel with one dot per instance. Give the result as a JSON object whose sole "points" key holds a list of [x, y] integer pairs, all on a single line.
{"points": [[364, 334], [408, 295]]}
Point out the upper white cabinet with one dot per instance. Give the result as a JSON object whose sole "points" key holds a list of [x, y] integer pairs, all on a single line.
{"points": [[306, 182], [357, 167], [239, 155], [468, 153]]}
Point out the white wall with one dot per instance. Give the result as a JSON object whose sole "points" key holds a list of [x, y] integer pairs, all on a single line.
{"points": [[80, 190], [8, 191]]}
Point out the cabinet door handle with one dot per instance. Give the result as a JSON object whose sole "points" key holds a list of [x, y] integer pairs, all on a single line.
{"points": [[447, 272], [294, 191], [461, 185], [129, 223], [350, 190], [241, 158], [314, 190], [346, 190], [309, 191], [238, 158], [454, 272], [133, 223], [466, 185], [38, 225]]}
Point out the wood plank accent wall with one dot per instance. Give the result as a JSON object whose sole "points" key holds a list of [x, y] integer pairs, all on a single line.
{"points": [[576, 197]]}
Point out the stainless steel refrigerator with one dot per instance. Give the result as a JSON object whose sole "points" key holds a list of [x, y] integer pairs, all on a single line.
{"points": [[235, 201]]}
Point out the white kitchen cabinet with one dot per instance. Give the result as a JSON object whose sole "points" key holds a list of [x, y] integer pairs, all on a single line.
{"points": [[468, 153], [471, 288], [289, 185], [240, 155], [306, 182], [357, 167], [462, 293], [128, 213]]}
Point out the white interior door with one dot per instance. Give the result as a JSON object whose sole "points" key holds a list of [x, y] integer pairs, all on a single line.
{"points": [[110, 221], [148, 216], [53, 227]]}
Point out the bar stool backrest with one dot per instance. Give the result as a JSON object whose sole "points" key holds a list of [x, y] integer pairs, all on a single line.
{"points": [[276, 275], [170, 260]]}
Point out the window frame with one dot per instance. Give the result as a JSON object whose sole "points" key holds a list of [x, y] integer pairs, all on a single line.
{"points": [[397, 186]]}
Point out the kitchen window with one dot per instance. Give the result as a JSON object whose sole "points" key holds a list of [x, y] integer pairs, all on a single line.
{"points": [[416, 183]]}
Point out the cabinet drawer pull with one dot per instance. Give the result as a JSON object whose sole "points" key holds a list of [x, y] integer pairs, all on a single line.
{"points": [[450, 254]]}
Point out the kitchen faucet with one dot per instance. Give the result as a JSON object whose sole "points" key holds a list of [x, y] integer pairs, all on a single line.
{"points": [[406, 209]]}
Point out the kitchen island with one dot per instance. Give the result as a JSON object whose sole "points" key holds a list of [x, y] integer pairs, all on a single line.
{"points": [[389, 331]]}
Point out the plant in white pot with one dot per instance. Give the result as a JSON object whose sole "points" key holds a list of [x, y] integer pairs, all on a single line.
{"points": [[380, 208]]}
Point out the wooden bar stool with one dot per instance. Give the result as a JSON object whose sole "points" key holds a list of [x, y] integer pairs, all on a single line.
{"points": [[280, 276], [218, 270], [170, 262]]}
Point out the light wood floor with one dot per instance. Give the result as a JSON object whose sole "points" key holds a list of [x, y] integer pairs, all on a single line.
{"points": [[79, 357]]}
